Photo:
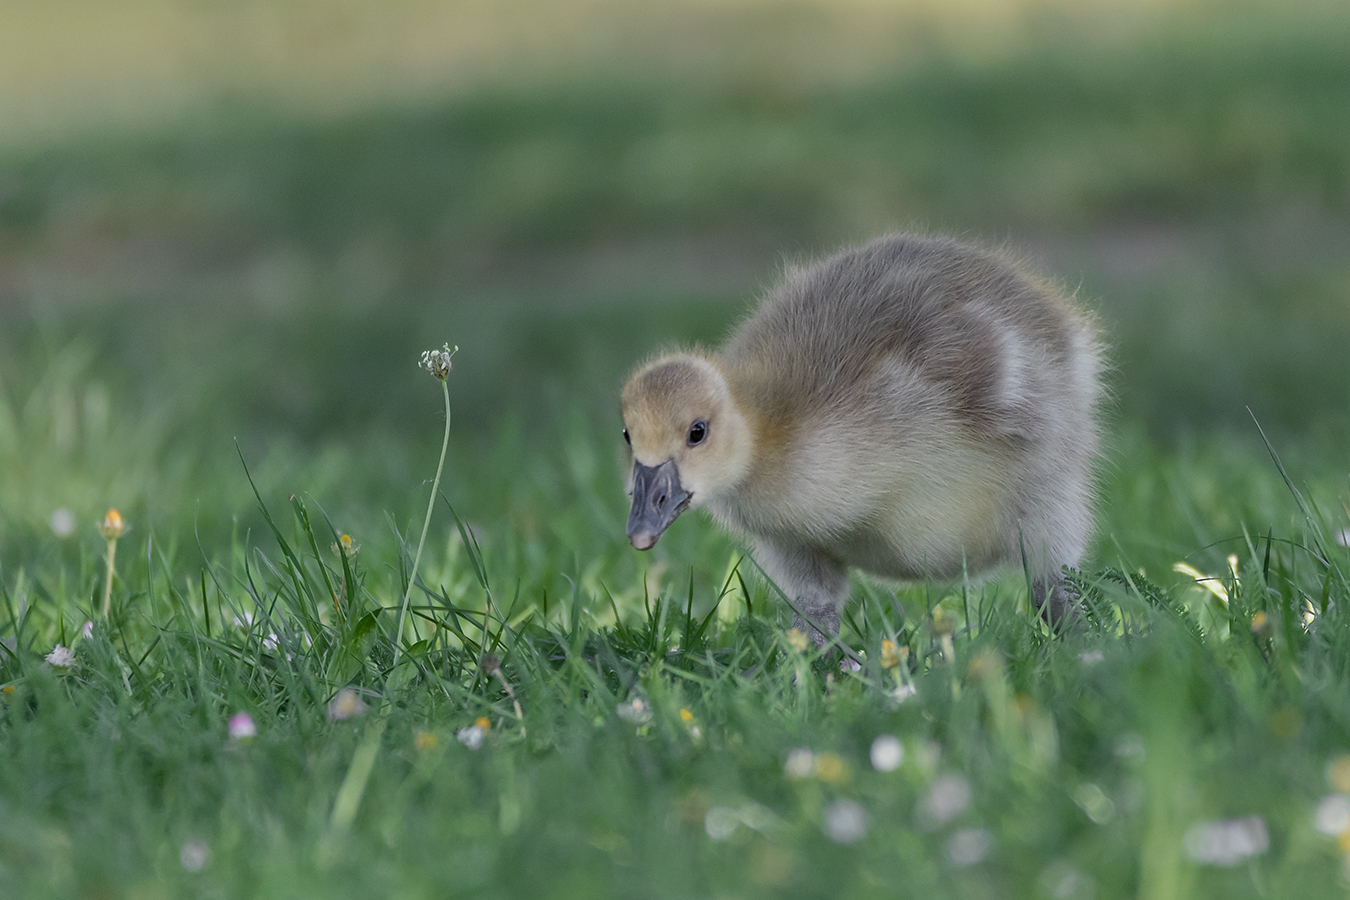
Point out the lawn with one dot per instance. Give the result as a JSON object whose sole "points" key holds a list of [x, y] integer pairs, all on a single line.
{"points": [[227, 235]]}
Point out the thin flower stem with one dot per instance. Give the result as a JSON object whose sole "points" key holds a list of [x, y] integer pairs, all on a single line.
{"points": [[426, 524], [107, 587], [363, 760]]}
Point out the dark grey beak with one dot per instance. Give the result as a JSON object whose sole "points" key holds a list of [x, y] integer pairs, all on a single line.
{"points": [[657, 499]]}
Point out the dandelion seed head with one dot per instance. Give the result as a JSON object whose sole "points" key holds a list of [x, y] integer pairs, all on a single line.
{"points": [[845, 821], [1226, 842], [887, 753], [194, 855], [62, 523], [61, 657]]}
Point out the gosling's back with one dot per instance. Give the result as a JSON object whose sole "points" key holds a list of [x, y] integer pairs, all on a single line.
{"points": [[919, 405]]}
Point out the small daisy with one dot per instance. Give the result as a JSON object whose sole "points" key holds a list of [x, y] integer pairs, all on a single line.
{"points": [[1226, 842], [887, 753], [636, 711], [946, 800], [62, 523], [845, 821], [471, 736], [194, 855], [61, 657], [345, 705]]}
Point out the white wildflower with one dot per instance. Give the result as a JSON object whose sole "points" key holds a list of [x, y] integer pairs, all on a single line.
{"points": [[1332, 816], [437, 362], [194, 855], [345, 705], [471, 736], [636, 711], [947, 799], [845, 821], [887, 753], [1226, 842], [969, 846], [61, 657], [1091, 657], [903, 692], [801, 762], [62, 523]]}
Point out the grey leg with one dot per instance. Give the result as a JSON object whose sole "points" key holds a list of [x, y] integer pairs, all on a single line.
{"points": [[816, 584], [1056, 601]]}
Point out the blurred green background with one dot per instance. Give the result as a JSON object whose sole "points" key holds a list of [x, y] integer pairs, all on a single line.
{"points": [[244, 220]]}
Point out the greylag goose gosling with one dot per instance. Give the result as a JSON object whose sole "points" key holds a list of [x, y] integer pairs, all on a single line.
{"points": [[916, 407]]}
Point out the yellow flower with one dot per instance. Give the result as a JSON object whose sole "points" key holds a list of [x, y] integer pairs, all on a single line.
{"points": [[830, 769], [1338, 774], [112, 527], [796, 639], [483, 722], [346, 546], [425, 740], [686, 716], [890, 657]]}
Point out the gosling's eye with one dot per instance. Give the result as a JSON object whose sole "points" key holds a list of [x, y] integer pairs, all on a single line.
{"points": [[698, 432], [626, 439]]}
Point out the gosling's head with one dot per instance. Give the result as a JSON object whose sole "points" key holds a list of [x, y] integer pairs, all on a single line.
{"points": [[686, 438]]}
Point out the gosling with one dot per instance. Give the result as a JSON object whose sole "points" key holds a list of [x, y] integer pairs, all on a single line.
{"points": [[916, 408]]}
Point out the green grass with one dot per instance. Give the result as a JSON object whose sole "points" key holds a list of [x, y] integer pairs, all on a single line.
{"points": [[212, 323]]}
